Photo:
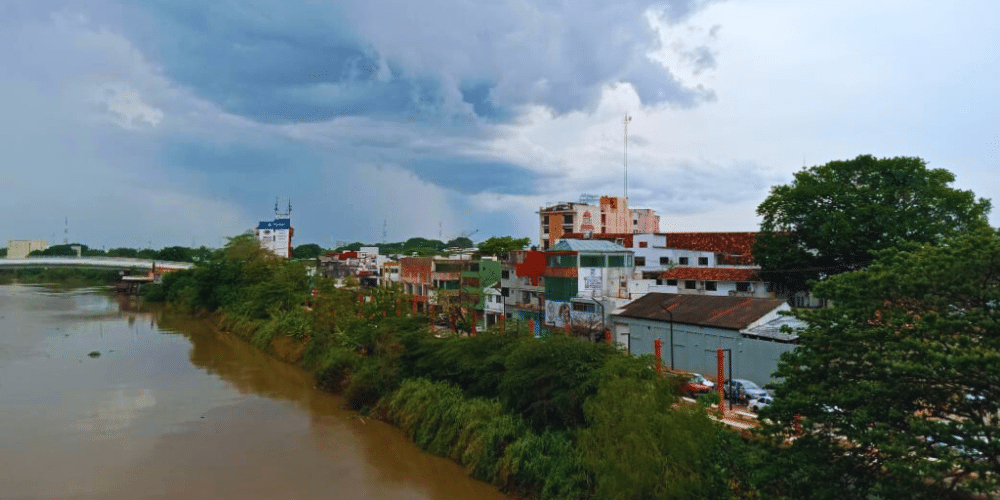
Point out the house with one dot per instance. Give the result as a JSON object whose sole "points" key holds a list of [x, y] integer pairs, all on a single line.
{"points": [[693, 327], [608, 214], [448, 284], [585, 280], [493, 312]]}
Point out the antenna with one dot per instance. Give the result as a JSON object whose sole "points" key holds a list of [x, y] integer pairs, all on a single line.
{"points": [[625, 122], [278, 214], [66, 232], [439, 230], [275, 206], [383, 230]]}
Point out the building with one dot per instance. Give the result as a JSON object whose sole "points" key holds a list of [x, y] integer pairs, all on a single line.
{"points": [[18, 249], [610, 215], [522, 286], [692, 328], [585, 280], [494, 309], [276, 236]]}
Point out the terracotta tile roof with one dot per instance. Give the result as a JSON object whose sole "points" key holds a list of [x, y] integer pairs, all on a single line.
{"points": [[737, 246], [713, 273], [731, 313]]}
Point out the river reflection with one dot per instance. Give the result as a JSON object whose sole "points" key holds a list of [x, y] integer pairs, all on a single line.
{"points": [[172, 409]]}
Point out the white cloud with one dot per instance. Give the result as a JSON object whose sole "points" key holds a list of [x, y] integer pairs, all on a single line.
{"points": [[127, 107]]}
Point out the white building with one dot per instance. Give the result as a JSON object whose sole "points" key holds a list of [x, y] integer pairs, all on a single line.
{"points": [[276, 236], [19, 249]]}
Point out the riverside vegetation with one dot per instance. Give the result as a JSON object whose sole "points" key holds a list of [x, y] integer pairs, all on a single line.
{"points": [[555, 417]]}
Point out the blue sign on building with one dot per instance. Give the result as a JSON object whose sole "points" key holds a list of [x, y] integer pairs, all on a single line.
{"points": [[275, 224]]}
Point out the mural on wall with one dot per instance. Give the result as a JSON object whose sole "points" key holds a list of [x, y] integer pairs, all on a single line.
{"points": [[557, 313]]}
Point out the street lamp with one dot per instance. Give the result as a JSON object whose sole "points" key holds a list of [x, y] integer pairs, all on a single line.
{"points": [[668, 311]]}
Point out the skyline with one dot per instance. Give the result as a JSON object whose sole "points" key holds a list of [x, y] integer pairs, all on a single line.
{"points": [[160, 123]]}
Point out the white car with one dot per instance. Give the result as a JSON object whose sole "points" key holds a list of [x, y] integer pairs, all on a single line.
{"points": [[699, 379], [757, 403]]}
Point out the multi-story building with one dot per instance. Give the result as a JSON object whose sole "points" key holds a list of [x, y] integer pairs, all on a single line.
{"points": [[585, 281], [276, 236], [611, 215], [438, 284], [494, 309], [18, 249], [522, 286]]}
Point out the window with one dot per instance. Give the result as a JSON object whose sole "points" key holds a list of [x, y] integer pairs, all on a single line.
{"points": [[562, 260], [604, 218], [505, 274], [683, 261], [545, 245], [592, 261], [664, 261], [659, 282], [616, 261], [640, 261], [525, 297], [545, 220], [710, 286], [568, 219], [671, 282], [702, 261], [742, 286], [584, 307], [643, 244], [690, 284]]}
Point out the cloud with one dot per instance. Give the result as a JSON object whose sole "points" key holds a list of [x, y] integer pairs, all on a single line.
{"points": [[313, 61], [127, 108]]}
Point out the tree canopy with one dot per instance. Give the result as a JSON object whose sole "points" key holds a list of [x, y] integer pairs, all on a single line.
{"points": [[501, 245], [831, 218], [898, 384], [307, 251]]}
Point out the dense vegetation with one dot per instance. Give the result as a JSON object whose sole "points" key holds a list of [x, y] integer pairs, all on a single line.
{"points": [[906, 368], [540, 417], [833, 218]]}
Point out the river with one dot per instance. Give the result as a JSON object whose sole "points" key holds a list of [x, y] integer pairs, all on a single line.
{"points": [[171, 409]]}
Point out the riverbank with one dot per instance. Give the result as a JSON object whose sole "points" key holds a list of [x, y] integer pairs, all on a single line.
{"points": [[554, 417]]}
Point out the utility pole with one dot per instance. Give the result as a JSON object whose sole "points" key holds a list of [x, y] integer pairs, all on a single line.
{"points": [[625, 214]]}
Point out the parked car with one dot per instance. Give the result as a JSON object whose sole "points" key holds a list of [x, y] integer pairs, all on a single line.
{"points": [[742, 390], [699, 379], [756, 404], [693, 387]]}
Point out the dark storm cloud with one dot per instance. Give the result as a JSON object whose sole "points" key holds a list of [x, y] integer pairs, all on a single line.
{"points": [[311, 61]]}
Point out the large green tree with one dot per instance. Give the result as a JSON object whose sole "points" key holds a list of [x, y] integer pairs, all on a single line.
{"points": [[307, 251], [500, 245], [897, 386], [831, 218]]}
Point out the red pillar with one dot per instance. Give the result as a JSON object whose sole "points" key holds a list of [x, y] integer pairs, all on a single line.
{"points": [[720, 375], [607, 338], [472, 330], [503, 324], [658, 350], [531, 326]]}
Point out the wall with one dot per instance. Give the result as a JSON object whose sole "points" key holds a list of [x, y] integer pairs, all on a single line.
{"points": [[695, 347], [18, 249]]}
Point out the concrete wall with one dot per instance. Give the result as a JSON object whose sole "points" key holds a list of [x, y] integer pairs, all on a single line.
{"points": [[18, 249], [695, 347]]}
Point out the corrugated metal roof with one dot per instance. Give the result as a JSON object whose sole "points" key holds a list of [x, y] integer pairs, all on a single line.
{"points": [[588, 246], [737, 246], [772, 329], [731, 313]]}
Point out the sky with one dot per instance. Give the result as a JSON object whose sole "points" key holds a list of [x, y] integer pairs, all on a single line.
{"points": [[151, 123]]}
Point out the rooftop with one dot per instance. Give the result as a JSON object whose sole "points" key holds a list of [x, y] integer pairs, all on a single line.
{"points": [[737, 246], [730, 313], [713, 273], [588, 246]]}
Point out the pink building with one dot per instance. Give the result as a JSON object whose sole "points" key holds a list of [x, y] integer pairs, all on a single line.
{"points": [[611, 215]]}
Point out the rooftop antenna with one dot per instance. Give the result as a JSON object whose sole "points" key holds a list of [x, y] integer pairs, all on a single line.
{"points": [[383, 230], [278, 214], [625, 122], [66, 232]]}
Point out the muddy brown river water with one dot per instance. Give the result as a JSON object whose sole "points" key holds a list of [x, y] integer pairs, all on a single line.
{"points": [[171, 409]]}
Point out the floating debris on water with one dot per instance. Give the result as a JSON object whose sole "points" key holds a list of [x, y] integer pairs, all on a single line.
{"points": [[94, 354]]}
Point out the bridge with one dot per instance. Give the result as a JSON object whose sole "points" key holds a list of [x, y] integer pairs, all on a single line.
{"points": [[152, 267]]}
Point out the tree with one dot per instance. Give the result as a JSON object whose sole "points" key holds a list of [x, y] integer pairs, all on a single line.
{"points": [[460, 242], [898, 385], [832, 218], [175, 254], [123, 252], [498, 246], [307, 251]]}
